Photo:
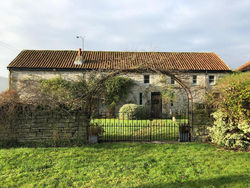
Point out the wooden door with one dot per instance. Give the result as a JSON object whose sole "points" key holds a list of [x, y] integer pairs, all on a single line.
{"points": [[156, 104]]}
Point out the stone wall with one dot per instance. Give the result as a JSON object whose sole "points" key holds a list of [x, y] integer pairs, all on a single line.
{"points": [[45, 126], [156, 83], [202, 119]]}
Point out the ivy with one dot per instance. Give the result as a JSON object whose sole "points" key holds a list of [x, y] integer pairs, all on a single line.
{"points": [[116, 89]]}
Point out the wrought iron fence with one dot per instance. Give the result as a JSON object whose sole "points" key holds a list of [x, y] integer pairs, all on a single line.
{"points": [[128, 127]]}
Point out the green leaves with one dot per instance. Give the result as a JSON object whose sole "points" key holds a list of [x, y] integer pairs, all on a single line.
{"points": [[116, 89], [60, 91], [231, 125], [85, 93], [131, 111], [73, 95]]}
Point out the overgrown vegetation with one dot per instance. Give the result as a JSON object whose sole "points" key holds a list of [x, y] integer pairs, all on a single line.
{"points": [[63, 97], [231, 97], [8, 104], [116, 90], [68, 95], [125, 165], [85, 93]]}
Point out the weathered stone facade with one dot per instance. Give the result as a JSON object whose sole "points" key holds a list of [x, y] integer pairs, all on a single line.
{"points": [[43, 126], [156, 84]]}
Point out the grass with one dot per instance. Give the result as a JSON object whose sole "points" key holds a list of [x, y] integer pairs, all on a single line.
{"points": [[124, 130], [125, 165]]}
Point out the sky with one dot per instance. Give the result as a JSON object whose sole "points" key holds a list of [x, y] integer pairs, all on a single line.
{"points": [[216, 26]]}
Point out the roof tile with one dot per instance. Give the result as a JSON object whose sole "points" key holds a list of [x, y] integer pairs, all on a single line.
{"points": [[64, 59], [244, 67]]}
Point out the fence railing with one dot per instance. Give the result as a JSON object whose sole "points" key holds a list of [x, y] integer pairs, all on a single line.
{"points": [[131, 127]]}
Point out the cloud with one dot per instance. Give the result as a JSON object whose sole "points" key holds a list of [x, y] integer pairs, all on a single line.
{"points": [[219, 26]]}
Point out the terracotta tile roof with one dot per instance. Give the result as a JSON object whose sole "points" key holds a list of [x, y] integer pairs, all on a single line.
{"points": [[64, 59], [244, 67]]}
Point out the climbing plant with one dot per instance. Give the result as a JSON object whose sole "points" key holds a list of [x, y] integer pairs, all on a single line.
{"points": [[116, 89], [85, 93], [70, 95]]}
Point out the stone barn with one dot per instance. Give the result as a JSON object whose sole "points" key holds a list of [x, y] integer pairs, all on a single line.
{"points": [[197, 71]]}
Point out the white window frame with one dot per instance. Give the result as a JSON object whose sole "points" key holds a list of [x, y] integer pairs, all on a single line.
{"points": [[196, 83], [211, 83]]}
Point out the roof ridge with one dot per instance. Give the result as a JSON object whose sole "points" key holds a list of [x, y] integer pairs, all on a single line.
{"points": [[45, 50], [53, 50]]}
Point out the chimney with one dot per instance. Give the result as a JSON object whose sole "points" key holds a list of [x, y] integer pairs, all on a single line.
{"points": [[79, 58], [79, 52]]}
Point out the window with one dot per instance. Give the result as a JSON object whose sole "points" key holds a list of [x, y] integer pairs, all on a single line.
{"points": [[140, 99], [172, 81], [194, 79], [146, 79], [211, 80]]}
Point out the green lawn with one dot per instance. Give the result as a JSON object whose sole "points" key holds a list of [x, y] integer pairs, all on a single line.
{"points": [[123, 130], [125, 165]]}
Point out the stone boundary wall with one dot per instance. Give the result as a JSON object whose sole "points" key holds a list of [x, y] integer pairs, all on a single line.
{"points": [[45, 126]]}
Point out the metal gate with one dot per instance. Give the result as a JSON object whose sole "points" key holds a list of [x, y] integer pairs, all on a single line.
{"points": [[125, 127]]}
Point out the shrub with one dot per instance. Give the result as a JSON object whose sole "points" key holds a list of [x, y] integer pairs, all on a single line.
{"points": [[9, 101], [132, 111], [8, 97], [225, 133], [231, 97]]}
